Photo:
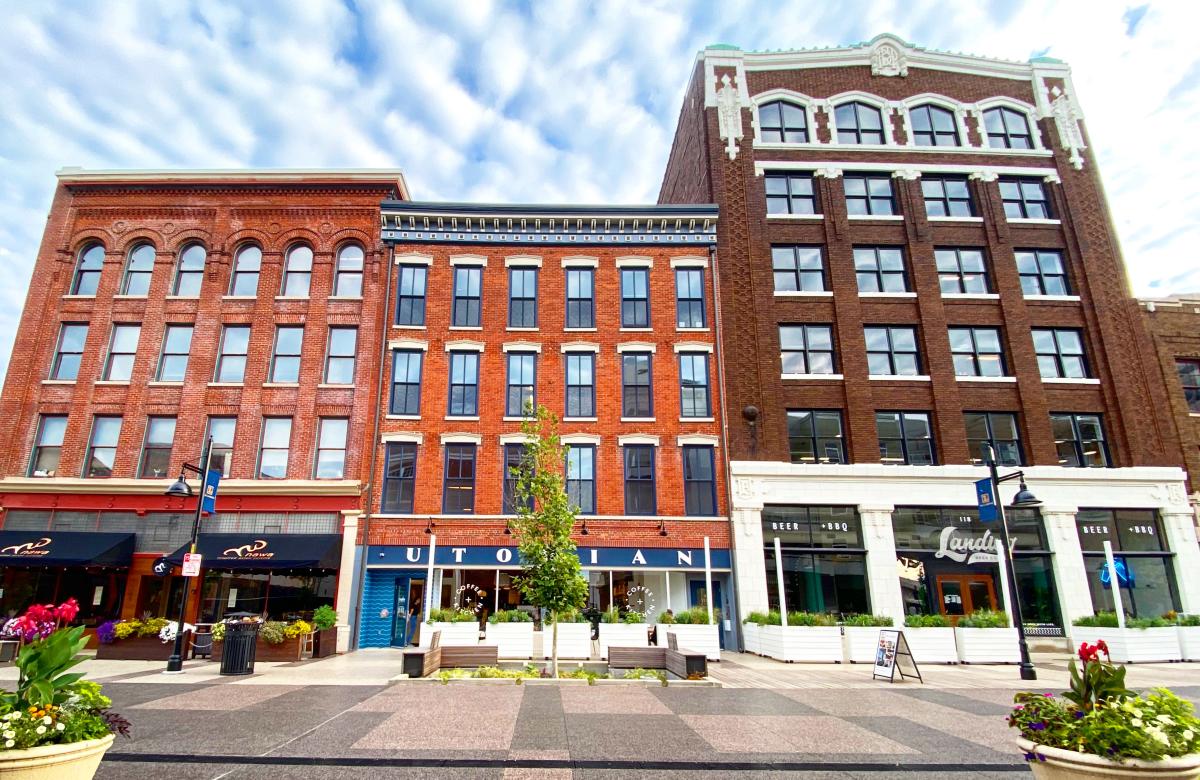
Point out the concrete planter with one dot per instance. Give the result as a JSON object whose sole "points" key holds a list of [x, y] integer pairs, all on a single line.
{"points": [[810, 644], [453, 634], [72, 761], [138, 648], [1189, 642], [623, 635], [697, 638], [861, 642], [752, 638], [932, 645], [1069, 765], [987, 645], [512, 640], [1132, 645], [574, 640]]}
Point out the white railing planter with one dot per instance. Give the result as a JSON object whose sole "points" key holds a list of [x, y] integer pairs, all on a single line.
{"points": [[512, 640], [453, 634], [933, 645], [861, 642], [987, 645], [623, 635], [1132, 645], [574, 640], [752, 638], [1189, 642], [810, 644], [697, 638]]}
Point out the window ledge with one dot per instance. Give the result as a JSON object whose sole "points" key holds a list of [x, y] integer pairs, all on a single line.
{"points": [[409, 327], [1071, 381], [345, 297], [955, 219], [884, 217], [637, 330], [516, 418], [58, 381], [281, 384], [403, 417], [696, 419], [887, 295], [465, 419], [239, 297], [803, 294], [79, 297], [971, 296], [335, 386], [579, 330], [164, 383], [594, 419], [130, 297], [523, 330], [1035, 221], [806, 377], [182, 298], [112, 381], [292, 298], [899, 377], [692, 330], [796, 216], [1193, 414], [637, 419], [986, 378], [1053, 298], [466, 327], [226, 384]]}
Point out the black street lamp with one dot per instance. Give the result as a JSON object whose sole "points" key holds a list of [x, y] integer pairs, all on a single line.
{"points": [[1024, 499], [181, 489]]}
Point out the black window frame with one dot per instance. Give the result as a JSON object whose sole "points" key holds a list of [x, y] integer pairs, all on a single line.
{"points": [[855, 131], [75, 357], [579, 305], [693, 388], [399, 478], [89, 469], [457, 452], [291, 273], [639, 477], [285, 358], [871, 203], [906, 439], [575, 484], [412, 314], [818, 443], [126, 355], [798, 193], [929, 134], [156, 448], [186, 274], [892, 352], [773, 121], [321, 447], [85, 281], [1035, 282], [40, 447], [869, 262], [224, 355], [1004, 449], [699, 488], [341, 357], [140, 276], [522, 309], [1022, 206], [633, 393], [1074, 419], [246, 267], [689, 308], [950, 206], [1058, 356], [344, 269], [467, 309], [973, 334], [806, 350], [1005, 138], [635, 307], [408, 390], [263, 449], [792, 264], [513, 456], [579, 396], [219, 452], [165, 358], [959, 280], [1190, 384], [526, 392], [469, 390]]}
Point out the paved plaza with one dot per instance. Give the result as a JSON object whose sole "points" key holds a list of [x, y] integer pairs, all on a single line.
{"points": [[348, 715]]}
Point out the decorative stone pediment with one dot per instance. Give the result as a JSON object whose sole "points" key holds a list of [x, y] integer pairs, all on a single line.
{"points": [[888, 60]]}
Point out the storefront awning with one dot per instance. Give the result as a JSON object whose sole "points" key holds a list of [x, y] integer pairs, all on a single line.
{"points": [[65, 548], [265, 551]]}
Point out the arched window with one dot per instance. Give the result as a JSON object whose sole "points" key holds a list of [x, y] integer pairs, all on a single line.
{"points": [[139, 267], [190, 273], [782, 122], [858, 123], [246, 267], [933, 126], [348, 276], [87, 270], [297, 272], [1007, 128]]}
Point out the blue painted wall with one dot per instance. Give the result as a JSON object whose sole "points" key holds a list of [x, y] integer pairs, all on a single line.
{"points": [[379, 593]]}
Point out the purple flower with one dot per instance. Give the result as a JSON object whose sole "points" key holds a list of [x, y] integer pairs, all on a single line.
{"points": [[1030, 756], [106, 632], [1078, 714], [1039, 726]]}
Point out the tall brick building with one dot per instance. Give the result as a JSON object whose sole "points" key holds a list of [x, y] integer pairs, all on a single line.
{"points": [[170, 306], [917, 261]]}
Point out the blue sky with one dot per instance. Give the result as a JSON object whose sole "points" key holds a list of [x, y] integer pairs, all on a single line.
{"points": [[530, 101]]}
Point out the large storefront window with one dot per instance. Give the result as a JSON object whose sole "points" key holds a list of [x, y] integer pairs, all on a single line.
{"points": [[946, 559], [1145, 570], [824, 562], [278, 596]]}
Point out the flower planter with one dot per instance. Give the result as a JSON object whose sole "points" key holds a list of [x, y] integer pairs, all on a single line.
{"points": [[1069, 765], [623, 635], [285, 651], [987, 645], [574, 640], [453, 634], [1132, 645], [72, 761], [324, 643], [1189, 642], [861, 642], [752, 638], [512, 640], [697, 638], [810, 644], [932, 645], [136, 648]]}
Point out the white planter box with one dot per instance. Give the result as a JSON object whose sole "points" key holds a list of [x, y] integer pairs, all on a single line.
{"points": [[987, 645], [752, 637], [574, 640], [512, 640], [698, 639], [1189, 642], [623, 635], [456, 634], [861, 642], [932, 645], [1132, 645], [813, 644]]}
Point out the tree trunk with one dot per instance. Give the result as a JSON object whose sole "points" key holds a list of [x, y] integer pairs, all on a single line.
{"points": [[554, 646]]}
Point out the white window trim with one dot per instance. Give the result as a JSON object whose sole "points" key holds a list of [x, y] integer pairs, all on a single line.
{"points": [[461, 438], [689, 262], [958, 111], [580, 261], [955, 219], [580, 438], [796, 216], [886, 108], [465, 327], [579, 346], [1007, 379], [635, 261], [410, 437], [1030, 113], [803, 293], [402, 417], [1014, 221], [638, 419], [637, 438], [225, 384], [521, 346], [523, 261], [798, 99], [580, 419], [462, 345], [696, 419], [887, 295], [414, 258], [692, 346], [636, 346], [971, 296], [984, 172], [1071, 381], [479, 260], [884, 217], [408, 344], [461, 418], [514, 438], [698, 439], [899, 378], [811, 376], [1053, 298]]}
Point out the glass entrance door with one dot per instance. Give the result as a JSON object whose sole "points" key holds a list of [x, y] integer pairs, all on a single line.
{"points": [[962, 594], [406, 614]]}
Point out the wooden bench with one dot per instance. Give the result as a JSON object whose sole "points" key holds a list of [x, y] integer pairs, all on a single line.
{"points": [[684, 664], [424, 661]]}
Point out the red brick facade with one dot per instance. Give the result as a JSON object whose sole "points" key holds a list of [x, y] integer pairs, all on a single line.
{"points": [[1174, 325]]}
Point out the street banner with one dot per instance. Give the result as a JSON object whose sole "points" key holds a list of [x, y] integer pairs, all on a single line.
{"points": [[892, 655], [986, 500], [208, 501]]}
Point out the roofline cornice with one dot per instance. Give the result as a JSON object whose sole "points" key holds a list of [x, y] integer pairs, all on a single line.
{"points": [[279, 177]]}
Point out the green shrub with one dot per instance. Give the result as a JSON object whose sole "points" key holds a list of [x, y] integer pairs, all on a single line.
{"points": [[583, 674], [571, 616], [867, 621], [452, 616], [1188, 620], [926, 621], [611, 615], [667, 618], [696, 616], [764, 618], [632, 617], [1099, 620], [273, 632], [647, 674], [1148, 622], [811, 619], [495, 672], [510, 616], [984, 618], [324, 617]]}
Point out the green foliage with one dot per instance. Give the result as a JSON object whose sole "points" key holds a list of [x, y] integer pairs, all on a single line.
{"points": [[510, 616], [984, 618], [446, 675], [1188, 620], [667, 618], [633, 617], [696, 616], [452, 616], [1149, 622], [926, 621], [1098, 682], [571, 616], [771, 618], [324, 617], [647, 674], [583, 674], [611, 615], [1099, 620], [1109, 620], [43, 663], [273, 632], [530, 672], [218, 632], [810, 619], [867, 621]]}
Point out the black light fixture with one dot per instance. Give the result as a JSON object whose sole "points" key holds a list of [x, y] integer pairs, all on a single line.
{"points": [[429, 526], [1024, 499], [180, 488], [662, 527], [507, 528], [584, 531]]}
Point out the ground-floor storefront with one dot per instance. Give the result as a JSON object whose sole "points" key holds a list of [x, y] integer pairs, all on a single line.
{"points": [[901, 541]]}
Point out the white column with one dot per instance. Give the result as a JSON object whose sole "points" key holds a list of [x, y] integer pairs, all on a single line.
{"points": [[750, 564], [429, 583], [1180, 529], [1070, 572], [883, 575], [345, 578], [708, 595]]}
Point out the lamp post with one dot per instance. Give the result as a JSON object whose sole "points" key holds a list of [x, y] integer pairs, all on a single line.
{"points": [[1024, 499], [181, 489]]}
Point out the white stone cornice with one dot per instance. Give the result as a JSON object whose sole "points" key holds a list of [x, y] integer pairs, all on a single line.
{"points": [[693, 346], [462, 345], [579, 346], [635, 261], [689, 262], [636, 346], [513, 438], [408, 437], [461, 438], [468, 260], [523, 260], [580, 438], [698, 439], [579, 261], [408, 344], [637, 438], [521, 346], [414, 258], [156, 487]]}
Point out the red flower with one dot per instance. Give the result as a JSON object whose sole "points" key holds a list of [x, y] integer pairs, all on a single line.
{"points": [[39, 613], [67, 611], [1087, 652], [1102, 646]]}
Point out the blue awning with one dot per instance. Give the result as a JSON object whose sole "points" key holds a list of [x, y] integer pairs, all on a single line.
{"points": [[265, 551], [65, 548]]}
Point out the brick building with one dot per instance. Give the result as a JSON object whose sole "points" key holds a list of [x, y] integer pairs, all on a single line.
{"points": [[605, 315], [167, 306], [917, 261]]}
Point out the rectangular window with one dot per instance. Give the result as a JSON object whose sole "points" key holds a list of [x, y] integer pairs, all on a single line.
{"points": [[331, 448], [285, 360], [1189, 377], [581, 477], [406, 382], [410, 299], [636, 395], [522, 297], [815, 577], [468, 296], [297, 272], [121, 351], [880, 269], [694, 397], [514, 455], [892, 350], [348, 276], [790, 193], [947, 196], [102, 447], [521, 397], [231, 362], [997, 429], [221, 431], [635, 297], [47, 446], [69, 352], [273, 450], [399, 478], [464, 384], [798, 268], [177, 344], [689, 298], [961, 271], [815, 436], [156, 449], [977, 352], [458, 493], [1060, 353], [905, 437], [581, 305], [806, 349], [1145, 571], [869, 195], [639, 479], [1079, 439], [1024, 198], [1042, 272], [339, 356], [699, 481], [581, 384]]}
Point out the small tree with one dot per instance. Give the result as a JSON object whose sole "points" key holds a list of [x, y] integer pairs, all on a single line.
{"points": [[551, 574]]}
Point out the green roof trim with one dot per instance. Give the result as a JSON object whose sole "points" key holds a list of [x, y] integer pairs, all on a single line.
{"points": [[723, 47], [1053, 60]]}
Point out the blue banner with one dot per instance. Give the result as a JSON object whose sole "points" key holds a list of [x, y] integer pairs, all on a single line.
{"points": [[986, 500], [208, 501], [451, 555]]}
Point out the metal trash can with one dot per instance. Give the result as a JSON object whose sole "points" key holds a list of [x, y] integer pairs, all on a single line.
{"points": [[241, 642]]}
